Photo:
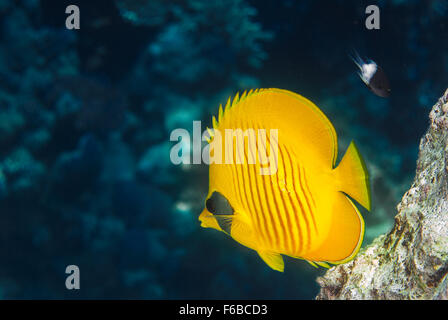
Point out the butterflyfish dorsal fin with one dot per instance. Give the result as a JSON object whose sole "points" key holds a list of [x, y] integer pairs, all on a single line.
{"points": [[215, 123], [294, 116], [210, 132], [220, 114], [236, 99], [230, 104], [209, 138], [227, 104]]}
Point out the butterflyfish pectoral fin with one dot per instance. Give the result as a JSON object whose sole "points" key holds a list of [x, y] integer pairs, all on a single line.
{"points": [[273, 260], [233, 226], [225, 222]]}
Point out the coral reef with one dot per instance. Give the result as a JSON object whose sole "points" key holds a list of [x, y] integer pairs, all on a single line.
{"points": [[410, 261]]}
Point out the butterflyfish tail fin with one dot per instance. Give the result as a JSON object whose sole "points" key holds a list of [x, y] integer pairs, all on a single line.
{"points": [[273, 260], [353, 176]]}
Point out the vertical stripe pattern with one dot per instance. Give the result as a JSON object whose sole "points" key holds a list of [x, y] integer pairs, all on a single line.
{"points": [[281, 205]]}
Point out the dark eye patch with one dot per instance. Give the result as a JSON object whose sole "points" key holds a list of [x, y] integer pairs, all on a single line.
{"points": [[217, 204]]}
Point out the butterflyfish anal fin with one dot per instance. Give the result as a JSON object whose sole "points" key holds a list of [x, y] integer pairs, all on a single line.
{"points": [[317, 264], [323, 264], [345, 236], [273, 260]]}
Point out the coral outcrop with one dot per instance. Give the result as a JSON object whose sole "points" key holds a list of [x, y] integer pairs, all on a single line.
{"points": [[411, 261]]}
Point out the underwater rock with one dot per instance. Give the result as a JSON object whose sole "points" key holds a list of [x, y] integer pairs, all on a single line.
{"points": [[189, 51], [36, 140], [183, 113], [141, 204], [155, 165], [411, 261], [149, 13], [178, 55], [141, 247], [86, 105], [22, 171], [76, 170], [3, 185], [11, 121], [120, 162]]}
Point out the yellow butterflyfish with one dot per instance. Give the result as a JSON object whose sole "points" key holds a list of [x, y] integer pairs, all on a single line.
{"points": [[279, 192]]}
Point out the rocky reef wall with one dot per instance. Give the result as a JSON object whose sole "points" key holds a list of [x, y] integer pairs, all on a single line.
{"points": [[411, 261]]}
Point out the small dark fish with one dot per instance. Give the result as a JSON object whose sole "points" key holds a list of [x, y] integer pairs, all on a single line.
{"points": [[373, 76]]}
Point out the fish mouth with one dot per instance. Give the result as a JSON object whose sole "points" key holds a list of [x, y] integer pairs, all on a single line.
{"points": [[203, 218], [208, 220]]}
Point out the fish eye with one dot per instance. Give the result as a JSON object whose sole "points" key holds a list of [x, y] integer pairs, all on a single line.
{"points": [[217, 204]]}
